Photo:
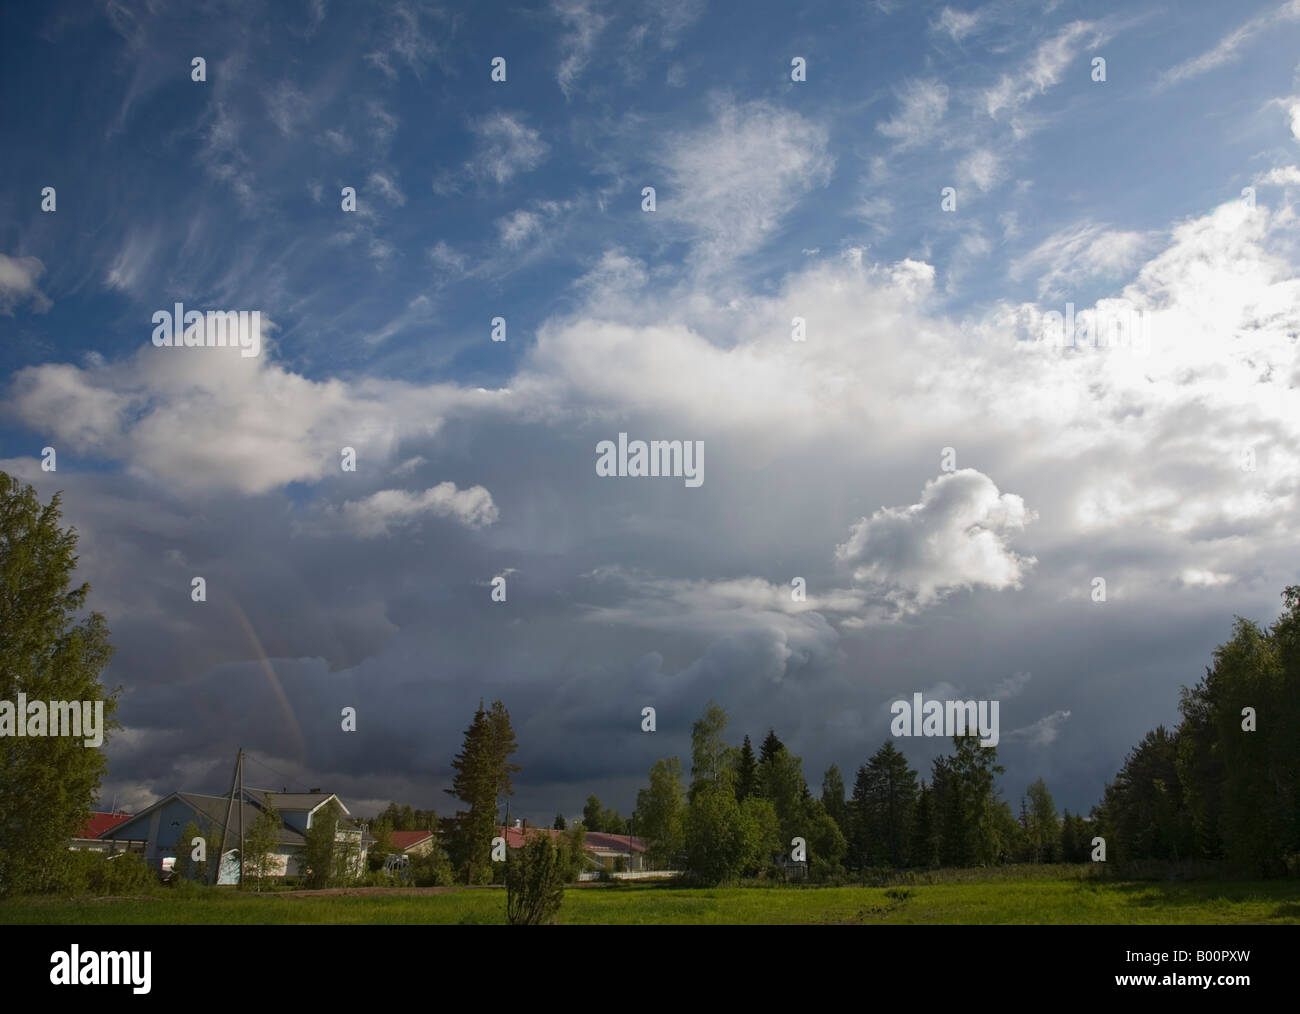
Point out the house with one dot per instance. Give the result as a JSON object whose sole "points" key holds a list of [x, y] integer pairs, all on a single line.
{"points": [[617, 852], [87, 836], [413, 843], [160, 825], [610, 853]]}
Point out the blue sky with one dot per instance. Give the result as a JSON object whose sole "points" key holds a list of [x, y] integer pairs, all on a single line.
{"points": [[775, 198]]}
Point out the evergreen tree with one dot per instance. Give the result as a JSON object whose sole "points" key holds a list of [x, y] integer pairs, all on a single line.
{"points": [[780, 779], [559, 824], [1044, 829], [833, 798], [746, 773], [885, 804], [1069, 839], [974, 767], [49, 652], [483, 772], [954, 834], [770, 746], [923, 850], [593, 814]]}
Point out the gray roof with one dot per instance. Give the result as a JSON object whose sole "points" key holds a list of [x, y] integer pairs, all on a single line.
{"points": [[283, 801], [214, 808], [212, 811]]}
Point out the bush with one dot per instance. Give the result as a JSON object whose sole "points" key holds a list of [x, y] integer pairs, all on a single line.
{"points": [[534, 883], [78, 871], [432, 870]]}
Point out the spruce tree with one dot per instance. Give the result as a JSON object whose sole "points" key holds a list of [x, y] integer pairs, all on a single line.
{"points": [[483, 772], [924, 847], [770, 747], [746, 773], [833, 798]]}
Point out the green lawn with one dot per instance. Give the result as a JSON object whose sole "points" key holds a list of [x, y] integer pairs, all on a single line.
{"points": [[975, 899]]}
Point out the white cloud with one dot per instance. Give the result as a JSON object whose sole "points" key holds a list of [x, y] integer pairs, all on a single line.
{"points": [[923, 106], [390, 191], [1044, 732], [18, 277], [957, 24], [208, 419], [734, 181], [982, 169], [1229, 48], [1078, 253], [506, 147], [1044, 69], [389, 509], [288, 108], [954, 538], [584, 24], [444, 256], [518, 228], [1281, 176], [1012, 685]]}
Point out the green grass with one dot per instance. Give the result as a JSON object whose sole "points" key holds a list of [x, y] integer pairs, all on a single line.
{"points": [[970, 897]]}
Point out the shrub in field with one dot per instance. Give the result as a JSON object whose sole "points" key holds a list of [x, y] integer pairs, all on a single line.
{"points": [[85, 872], [534, 883], [432, 870]]}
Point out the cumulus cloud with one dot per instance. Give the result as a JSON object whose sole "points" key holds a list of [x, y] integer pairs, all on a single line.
{"points": [[389, 509], [955, 537], [209, 419], [1288, 175]]}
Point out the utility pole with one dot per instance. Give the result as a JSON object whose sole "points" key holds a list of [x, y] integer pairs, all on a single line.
{"points": [[225, 824], [241, 816]]}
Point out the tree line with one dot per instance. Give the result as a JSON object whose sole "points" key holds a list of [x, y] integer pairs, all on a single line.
{"points": [[1222, 786]]}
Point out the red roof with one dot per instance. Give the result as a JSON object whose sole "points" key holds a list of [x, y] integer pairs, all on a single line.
{"points": [[595, 840], [614, 842], [515, 836], [99, 823], [403, 840]]}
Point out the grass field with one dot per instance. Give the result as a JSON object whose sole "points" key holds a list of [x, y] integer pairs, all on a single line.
{"points": [[971, 897]]}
